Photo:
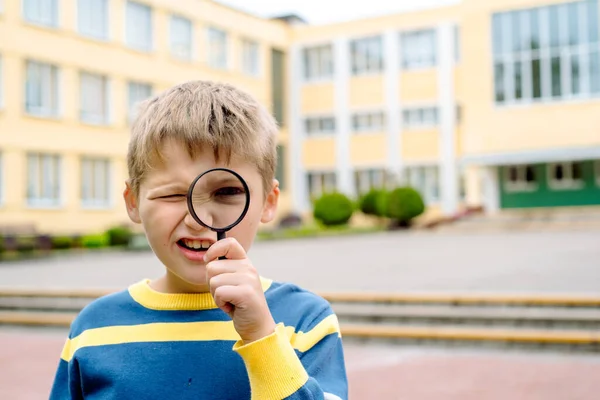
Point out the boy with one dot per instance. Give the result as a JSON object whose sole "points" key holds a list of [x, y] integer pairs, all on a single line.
{"points": [[209, 328]]}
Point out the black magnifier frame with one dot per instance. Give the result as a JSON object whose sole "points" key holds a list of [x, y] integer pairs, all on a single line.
{"points": [[220, 231]]}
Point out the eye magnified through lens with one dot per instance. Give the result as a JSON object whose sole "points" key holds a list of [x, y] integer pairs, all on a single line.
{"points": [[218, 199]]}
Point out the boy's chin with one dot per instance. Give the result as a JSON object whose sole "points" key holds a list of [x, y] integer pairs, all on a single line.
{"points": [[192, 281]]}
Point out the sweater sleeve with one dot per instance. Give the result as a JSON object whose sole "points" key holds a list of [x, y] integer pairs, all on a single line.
{"points": [[298, 365], [66, 385]]}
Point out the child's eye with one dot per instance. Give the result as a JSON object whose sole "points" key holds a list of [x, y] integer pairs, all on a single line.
{"points": [[172, 196]]}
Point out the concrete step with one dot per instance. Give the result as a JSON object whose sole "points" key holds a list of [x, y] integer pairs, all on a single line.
{"points": [[572, 339], [439, 315]]}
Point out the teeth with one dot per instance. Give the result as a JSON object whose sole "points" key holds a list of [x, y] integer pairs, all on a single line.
{"points": [[196, 244]]}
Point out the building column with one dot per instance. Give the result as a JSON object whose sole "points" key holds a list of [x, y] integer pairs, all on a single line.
{"points": [[298, 184], [449, 187], [343, 166], [491, 189], [391, 49]]}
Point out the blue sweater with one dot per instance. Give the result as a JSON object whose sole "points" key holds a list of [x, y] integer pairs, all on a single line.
{"points": [[142, 344]]}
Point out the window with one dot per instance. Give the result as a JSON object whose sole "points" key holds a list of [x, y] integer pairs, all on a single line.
{"points": [[424, 180], [318, 62], [94, 98], [278, 82], [565, 176], [319, 125], [250, 58], [41, 89], [546, 53], [181, 37], [139, 26], [419, 49], [367, 179], [41, 12], [420, 117], [320, 183], [137, 92], [95, 182], [456, 33], [520, 178], [280, 171], [43, 180], [217, 48], [92, 17], [367, 55], [368, 122]]}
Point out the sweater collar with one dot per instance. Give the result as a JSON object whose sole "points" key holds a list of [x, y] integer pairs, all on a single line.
{"points": [[142, 293]]}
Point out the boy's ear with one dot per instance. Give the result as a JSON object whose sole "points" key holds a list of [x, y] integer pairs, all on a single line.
{"points": [[270, 206], [131, 202]]}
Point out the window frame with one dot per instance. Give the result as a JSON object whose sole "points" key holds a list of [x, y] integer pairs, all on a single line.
{"points": [[567, 183], [54, 95], [129, 39], [86, 32], [223, 40], [521, 186], [42, 159], [91, 119], [188, 54], [91, 162], [561, 67], [318, 63], [54, 20]]}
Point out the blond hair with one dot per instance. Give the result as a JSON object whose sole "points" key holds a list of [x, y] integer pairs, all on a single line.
{"points": [[200, 115]]}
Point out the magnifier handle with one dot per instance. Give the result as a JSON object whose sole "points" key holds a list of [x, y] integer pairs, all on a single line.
{"points": [[221, 236]]}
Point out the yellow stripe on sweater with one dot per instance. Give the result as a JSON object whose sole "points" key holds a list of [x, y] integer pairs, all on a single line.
{"points": [[188, 331]]}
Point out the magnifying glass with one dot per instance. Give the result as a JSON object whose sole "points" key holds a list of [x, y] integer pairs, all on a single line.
{"points": [[218, 199]]}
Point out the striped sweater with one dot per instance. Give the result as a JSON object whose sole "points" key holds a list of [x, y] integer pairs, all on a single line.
{"points": [[142, 344]]}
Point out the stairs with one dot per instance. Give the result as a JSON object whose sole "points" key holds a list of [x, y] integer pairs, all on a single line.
{"points": [[534, 219], [535, 322]]}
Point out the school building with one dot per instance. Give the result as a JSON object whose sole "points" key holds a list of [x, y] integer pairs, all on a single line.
{"points": [[484, 103]]}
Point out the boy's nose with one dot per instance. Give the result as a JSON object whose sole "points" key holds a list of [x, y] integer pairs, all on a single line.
{"points": [[193, 224]]}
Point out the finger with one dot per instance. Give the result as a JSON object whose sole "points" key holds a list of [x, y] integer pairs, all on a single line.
{"points": [[234, 295], [218, 267], [226, 279], [228, 248]]}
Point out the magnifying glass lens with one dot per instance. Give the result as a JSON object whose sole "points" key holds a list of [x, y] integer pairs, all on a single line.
{"points": [[219, 199]]}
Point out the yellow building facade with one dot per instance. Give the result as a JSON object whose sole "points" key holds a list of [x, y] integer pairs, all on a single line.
{"points": [[492, 104], [72, 72]]}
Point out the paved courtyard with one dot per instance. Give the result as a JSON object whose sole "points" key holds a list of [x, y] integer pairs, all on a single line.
{"points": [[28, 361], [556, 262]]}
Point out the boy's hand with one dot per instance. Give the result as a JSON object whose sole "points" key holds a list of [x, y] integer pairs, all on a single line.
{"points": [[235, 282]]}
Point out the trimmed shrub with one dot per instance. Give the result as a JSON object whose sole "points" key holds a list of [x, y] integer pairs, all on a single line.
{"points": [[95, 241], [2, 248], [368, 203], [62, 242], [404, 204], [25, 244], [333, 209], [119, 236]]}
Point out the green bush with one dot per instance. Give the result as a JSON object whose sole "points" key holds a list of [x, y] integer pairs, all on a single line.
{"points": [[333, 209], [119, 236], [2, 248], [26, 244], [404, 204], [62, 242], [373, 202], [95, 241]]}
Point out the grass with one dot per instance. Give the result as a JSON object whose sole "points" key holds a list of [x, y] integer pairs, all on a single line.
{"points": [[311, 231]]}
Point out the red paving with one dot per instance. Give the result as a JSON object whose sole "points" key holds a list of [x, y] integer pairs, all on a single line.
{"points": [[374, 372]]}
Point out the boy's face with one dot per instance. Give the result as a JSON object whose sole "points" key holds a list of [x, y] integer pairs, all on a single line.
{"points": [[161, 208]]}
